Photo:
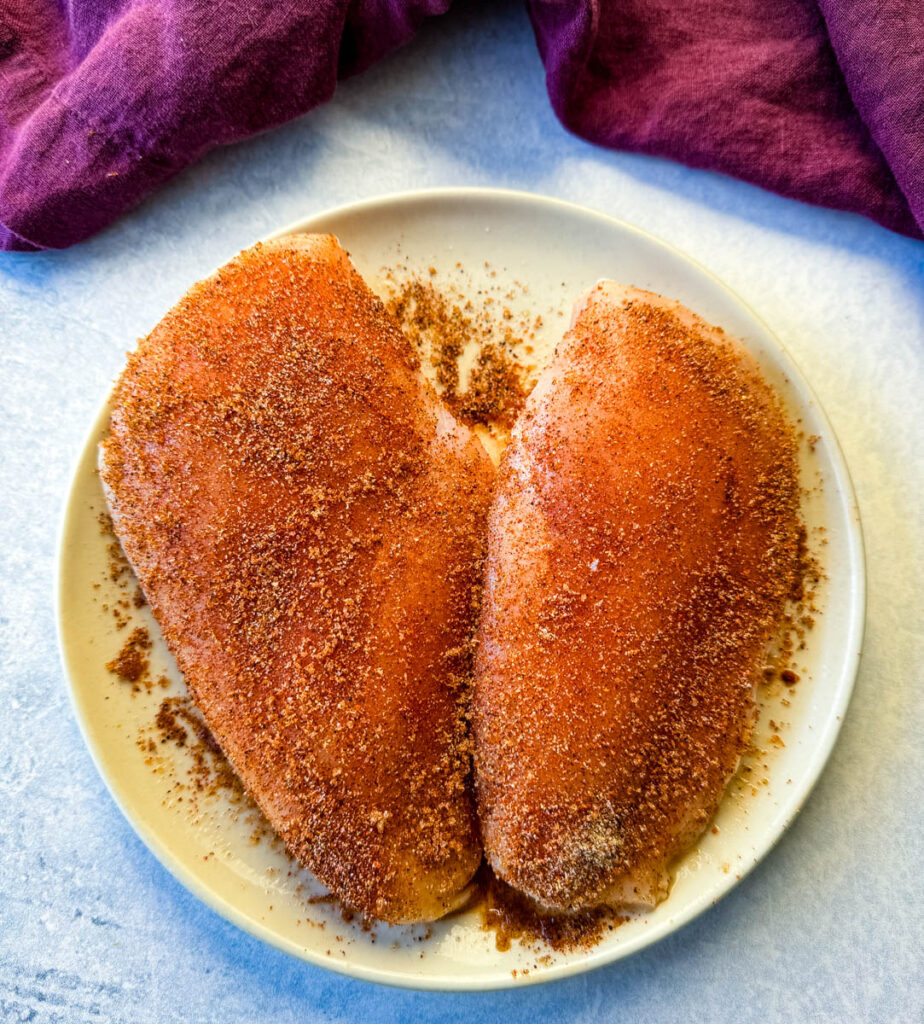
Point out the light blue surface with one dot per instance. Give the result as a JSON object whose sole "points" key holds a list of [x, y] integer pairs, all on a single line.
{"points": [[828, 928]]}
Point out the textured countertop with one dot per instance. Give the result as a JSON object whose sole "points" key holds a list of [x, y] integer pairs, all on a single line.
{"points": [[828, 928]]}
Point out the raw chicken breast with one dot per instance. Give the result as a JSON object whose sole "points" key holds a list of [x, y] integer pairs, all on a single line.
{"points": [[643, 541], [307, 522]]}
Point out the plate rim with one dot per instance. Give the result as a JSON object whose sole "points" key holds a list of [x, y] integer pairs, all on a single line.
{"points": [[598, 956]]}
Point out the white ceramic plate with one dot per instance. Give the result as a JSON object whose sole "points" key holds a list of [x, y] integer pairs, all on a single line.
{"points": [[556, 249]]}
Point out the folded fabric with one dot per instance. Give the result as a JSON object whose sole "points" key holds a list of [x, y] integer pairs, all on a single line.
{"points": [[822, 101], [103, 101]]}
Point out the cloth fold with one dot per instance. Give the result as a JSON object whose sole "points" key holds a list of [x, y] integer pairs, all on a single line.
{"points": [[102, 101], [762, 91]]}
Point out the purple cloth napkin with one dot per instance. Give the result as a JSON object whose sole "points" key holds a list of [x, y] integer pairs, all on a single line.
{"points": [[101, 101], [822, 101]]}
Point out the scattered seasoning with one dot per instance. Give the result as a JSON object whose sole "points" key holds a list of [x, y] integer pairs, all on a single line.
{"points": [[513, 917], [118, 571], [448, 330], [118, 563], [798, 619], [131, 664], [208, 772]]}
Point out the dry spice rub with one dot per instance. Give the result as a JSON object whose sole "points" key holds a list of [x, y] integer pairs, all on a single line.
{"points": [[449, 330], [514, 918], [131, 663]]}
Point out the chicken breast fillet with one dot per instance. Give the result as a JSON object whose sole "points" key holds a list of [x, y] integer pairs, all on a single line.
{"points": [[643, 540], [307, 522]]}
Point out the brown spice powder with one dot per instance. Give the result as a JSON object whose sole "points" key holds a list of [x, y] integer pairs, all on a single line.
{"points": [[179, 723], [131, 664], [444, 332], [511, 916]]}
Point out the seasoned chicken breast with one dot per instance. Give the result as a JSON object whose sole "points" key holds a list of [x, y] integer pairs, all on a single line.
{"points": [[307, 522], [643, 541]]}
